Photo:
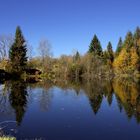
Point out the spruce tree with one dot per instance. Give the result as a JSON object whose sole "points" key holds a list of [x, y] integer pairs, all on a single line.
{"points": [[119, 47], [95, 46], [137, 34], [17, 53], [137, 44], [137, 40], [129, 41], [110, 52], [77, 56]]}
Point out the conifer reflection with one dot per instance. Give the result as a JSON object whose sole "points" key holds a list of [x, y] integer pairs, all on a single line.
{"points": [[128, 97], [96, 91], [18, 99]]}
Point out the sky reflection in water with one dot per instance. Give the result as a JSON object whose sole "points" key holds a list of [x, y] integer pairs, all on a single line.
{"points": [[71, 111]]}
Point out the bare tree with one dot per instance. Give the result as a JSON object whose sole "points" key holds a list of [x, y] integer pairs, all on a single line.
{"points": [[45, 48], [5, 44], [45, 52], [30, 51]]}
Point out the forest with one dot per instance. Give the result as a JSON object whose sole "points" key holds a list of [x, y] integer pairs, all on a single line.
{"points": [[17, 59]]}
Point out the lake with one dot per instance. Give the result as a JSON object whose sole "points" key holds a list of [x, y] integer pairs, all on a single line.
{"points": [[69, 110]]}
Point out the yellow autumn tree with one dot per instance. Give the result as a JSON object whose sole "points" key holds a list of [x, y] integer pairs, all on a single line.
{"points": [[121, 63], [134, 59]]}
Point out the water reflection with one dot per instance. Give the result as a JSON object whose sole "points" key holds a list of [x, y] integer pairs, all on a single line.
{"points": [[96, 91], [5, 107], [126, 93], [128, 97], [18, 99], [17, 96]]}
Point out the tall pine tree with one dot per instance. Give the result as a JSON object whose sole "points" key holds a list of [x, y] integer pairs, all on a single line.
{"points": [[17, 53], [137, 34], [77, 56], [95, 46], [137, 44], [119, 47], [129, 41], [137, 40], [110, 52]]}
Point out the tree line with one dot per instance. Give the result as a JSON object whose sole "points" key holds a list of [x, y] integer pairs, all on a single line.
{"points": [[16, 56]]}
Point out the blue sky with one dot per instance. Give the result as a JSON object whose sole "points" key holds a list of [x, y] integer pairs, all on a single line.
{"points": [[69, 24]]}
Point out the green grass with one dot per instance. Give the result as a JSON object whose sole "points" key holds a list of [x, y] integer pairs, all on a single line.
{"points": [[7, 138]]}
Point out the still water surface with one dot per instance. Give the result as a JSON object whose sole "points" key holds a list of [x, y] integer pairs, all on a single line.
{"points": [[70, 111]]}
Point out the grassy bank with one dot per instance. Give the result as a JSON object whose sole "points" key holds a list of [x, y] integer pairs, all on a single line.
{"points": [[7, 138]]}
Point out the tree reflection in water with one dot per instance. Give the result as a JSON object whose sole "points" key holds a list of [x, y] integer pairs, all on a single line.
{"points": [[18, 99], [125, 92], [128, 97]]}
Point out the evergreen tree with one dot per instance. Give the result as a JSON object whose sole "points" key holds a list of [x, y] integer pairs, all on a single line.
{"points": [[137, 40], [95, 46], [110, 52], [137, 34], [129, 41], [77, 56], [17, 53], [137, 44], [119, 47]]}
